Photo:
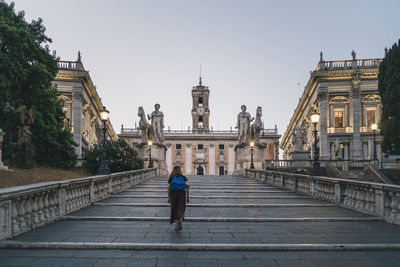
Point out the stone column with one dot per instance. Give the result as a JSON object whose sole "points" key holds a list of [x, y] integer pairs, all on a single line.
{"points": [[276, 150], [370, 149], [379, 150], [323, 122], [346, 151], [211, 159], [2, 166], [77, 97], [169, 158], [356, 104], [189, 159], [346, 116], [231, 159]]}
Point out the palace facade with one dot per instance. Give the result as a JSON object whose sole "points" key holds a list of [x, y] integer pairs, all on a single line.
{"points": [[82, 105], [203, 150], [345, 93]]}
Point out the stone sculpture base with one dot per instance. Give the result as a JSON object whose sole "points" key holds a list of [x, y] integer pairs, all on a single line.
{"points": [[243, 157], [300, 158], [158, 155]]}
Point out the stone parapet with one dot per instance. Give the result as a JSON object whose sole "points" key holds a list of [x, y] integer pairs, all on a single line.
{"points": [[377, 199], [24, 208]]}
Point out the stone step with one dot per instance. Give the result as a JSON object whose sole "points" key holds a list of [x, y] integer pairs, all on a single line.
{"points": [[291, 205], [224, 219], [213, 197], [214, 191], [201, 247]]}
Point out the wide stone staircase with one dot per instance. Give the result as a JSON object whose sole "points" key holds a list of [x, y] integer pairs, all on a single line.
{"points": [[230, 221]]}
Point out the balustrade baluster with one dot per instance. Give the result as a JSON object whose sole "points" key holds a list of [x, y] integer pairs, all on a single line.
{"points": [[34, 208]]}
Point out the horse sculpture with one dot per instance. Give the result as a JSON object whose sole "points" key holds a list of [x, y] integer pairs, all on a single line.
{"points": [[144, 126], [256, 126]]}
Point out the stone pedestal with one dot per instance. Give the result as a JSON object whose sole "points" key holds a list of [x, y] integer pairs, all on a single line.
{"points": [[243, 157], [2, 166], [158, 157], [300, 158]]}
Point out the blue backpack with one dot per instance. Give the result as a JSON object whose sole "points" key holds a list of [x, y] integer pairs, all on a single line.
{"points": [[178, 183]]}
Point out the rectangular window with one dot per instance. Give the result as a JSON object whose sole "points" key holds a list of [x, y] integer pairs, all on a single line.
{"points": [[338, 119], [370, 117], [200, 147], [178, 146], [221, 146]]}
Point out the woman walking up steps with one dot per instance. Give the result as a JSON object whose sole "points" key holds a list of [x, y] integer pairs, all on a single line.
{"points": [[178, 196]]}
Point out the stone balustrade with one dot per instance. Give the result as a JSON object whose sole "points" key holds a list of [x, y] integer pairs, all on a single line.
{"points": [[24, 208], [382, 200]]}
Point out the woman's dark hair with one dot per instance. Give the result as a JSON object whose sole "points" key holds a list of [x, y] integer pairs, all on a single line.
{"points": [[177, 171]]}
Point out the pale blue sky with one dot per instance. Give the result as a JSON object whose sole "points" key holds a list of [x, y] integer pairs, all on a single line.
{"points": [[257, 53]]}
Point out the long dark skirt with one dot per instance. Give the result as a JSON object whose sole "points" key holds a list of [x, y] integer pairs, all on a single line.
{"points": [[178, 205]]}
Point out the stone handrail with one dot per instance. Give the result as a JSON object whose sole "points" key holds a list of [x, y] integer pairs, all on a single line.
{"points": [[23, 208], [377, 199], [323, 163]]}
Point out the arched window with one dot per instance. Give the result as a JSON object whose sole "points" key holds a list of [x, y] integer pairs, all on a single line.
{"points": [[200, 101], [200, 118]]}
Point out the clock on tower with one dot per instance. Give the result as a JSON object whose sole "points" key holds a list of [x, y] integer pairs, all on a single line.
{"points": [[200, 109]]}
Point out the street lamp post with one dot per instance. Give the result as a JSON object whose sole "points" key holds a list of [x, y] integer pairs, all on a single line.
{"points": [[374, 127], [150, 161], [316, 168], [251, 155], [104, 169]]}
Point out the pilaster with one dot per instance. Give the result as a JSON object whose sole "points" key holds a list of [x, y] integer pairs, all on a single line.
{"points": [[356, 109], [188, 160], [77, 98], [211, 159], [323, 122]]}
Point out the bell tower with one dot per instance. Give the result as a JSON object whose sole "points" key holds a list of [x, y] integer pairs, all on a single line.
{"points": [[200, 108]]}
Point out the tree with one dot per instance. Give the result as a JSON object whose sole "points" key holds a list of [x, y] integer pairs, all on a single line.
{"points": [[120, 157], [389, 90], [26, 73]]}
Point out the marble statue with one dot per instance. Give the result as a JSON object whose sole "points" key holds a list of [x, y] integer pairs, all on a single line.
{"points": [[243, 125], [257, 126], [157, 124], [144, 126], [338, 150], [299, 138]]}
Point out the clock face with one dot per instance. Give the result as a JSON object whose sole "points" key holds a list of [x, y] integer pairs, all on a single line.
{"points": [[200, 110]]}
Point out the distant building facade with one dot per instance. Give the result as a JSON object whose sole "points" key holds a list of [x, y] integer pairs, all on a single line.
{"points": [[345, 93], [202, 150], [82, 105]]}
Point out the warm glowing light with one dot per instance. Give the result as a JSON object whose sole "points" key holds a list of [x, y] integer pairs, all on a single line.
{"points": [[104, 114], [251, 143], [315, 117], [149, 142], [374, 126]]}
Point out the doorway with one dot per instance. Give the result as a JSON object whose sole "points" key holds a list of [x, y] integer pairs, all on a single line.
{"points": [[221, 170], [200, 170]]}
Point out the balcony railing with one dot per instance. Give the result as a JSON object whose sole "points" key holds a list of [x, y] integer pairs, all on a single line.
{"points": [[70, 65], [137, 132], [349, 64]]}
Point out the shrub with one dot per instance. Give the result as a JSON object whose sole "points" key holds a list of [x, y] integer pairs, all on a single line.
{"points": [[120, 157]]}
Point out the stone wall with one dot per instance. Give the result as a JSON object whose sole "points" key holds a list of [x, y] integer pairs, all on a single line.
{"points": [[24, 208], [376, 199]]}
